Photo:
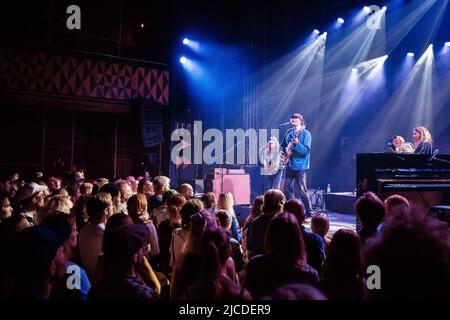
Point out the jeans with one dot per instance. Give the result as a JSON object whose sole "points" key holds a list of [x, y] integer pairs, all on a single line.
{"points": [[299, 176], [273, 181]]}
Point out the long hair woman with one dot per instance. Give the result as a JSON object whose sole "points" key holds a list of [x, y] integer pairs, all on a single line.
{"points": [[285, 260], [226, 202], [423, 141], [215, 283]]}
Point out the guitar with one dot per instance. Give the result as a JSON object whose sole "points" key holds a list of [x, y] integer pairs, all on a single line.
{"points": [[286, 156]]}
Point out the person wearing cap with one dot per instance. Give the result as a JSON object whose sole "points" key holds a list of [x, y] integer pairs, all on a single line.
{"points": [[123, 250], [38, 260], [75, 284], [31, 199], [296, 149]]}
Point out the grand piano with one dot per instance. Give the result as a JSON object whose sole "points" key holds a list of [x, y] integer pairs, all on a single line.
{"points": [[423, 179]]}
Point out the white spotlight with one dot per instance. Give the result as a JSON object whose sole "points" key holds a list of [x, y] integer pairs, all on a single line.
{"points": [[183, 59], [354, 70], [384, 8], [185, 41], [410, 54], [430, 46], [316, 31], [447, 44], [367, 9], [340, 20]]}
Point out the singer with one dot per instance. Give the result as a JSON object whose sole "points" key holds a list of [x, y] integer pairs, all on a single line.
{"points": [[295, 150]]}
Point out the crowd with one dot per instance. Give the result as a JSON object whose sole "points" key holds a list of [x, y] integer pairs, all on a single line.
{"points": [[136, 238]]}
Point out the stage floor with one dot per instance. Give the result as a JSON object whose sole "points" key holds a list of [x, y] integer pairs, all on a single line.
{"points": [[337, 221]]}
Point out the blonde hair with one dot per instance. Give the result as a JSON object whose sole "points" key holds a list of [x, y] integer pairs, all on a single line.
{"points": [[273, 201], [86, 187], [55, 204], [125, 191], [226, 202], [424, 134], [161, 184]]}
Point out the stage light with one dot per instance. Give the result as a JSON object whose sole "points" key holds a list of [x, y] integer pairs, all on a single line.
{"points": [[185, 41], [316, 31], [354, 70], [430, 46], [340, 20], [183, 59], [367, 9], [410, 54], [325, 34], [384, 8], [447, 44], [142, 25]]}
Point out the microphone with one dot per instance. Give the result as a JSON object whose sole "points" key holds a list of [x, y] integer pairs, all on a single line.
{"points": [[284, 124]]}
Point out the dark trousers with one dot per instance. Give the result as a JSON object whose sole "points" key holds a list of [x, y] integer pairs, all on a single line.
{"points": [[299, 176]]}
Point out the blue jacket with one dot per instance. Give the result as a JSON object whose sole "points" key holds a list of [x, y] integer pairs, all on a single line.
{"points": [[301, 154]]}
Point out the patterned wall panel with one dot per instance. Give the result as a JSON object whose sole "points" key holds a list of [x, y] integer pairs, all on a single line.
{"points": [[96, 77]]}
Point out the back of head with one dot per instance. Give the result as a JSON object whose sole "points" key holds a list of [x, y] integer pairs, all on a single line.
{"points": [[189, 209], [174, 205], [34, 249], [370, 210], [111, 188], [115, 221], [320, 224], [61, 223], [413, 256], [226, 202], [297, 208], [209, 200], [273, 201], [216, 250], [161, 184], [257, 206], [396, 205], [224, 219], [122, 243], [284, 240], [96, 206], [344, 260], [137, 205]]}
